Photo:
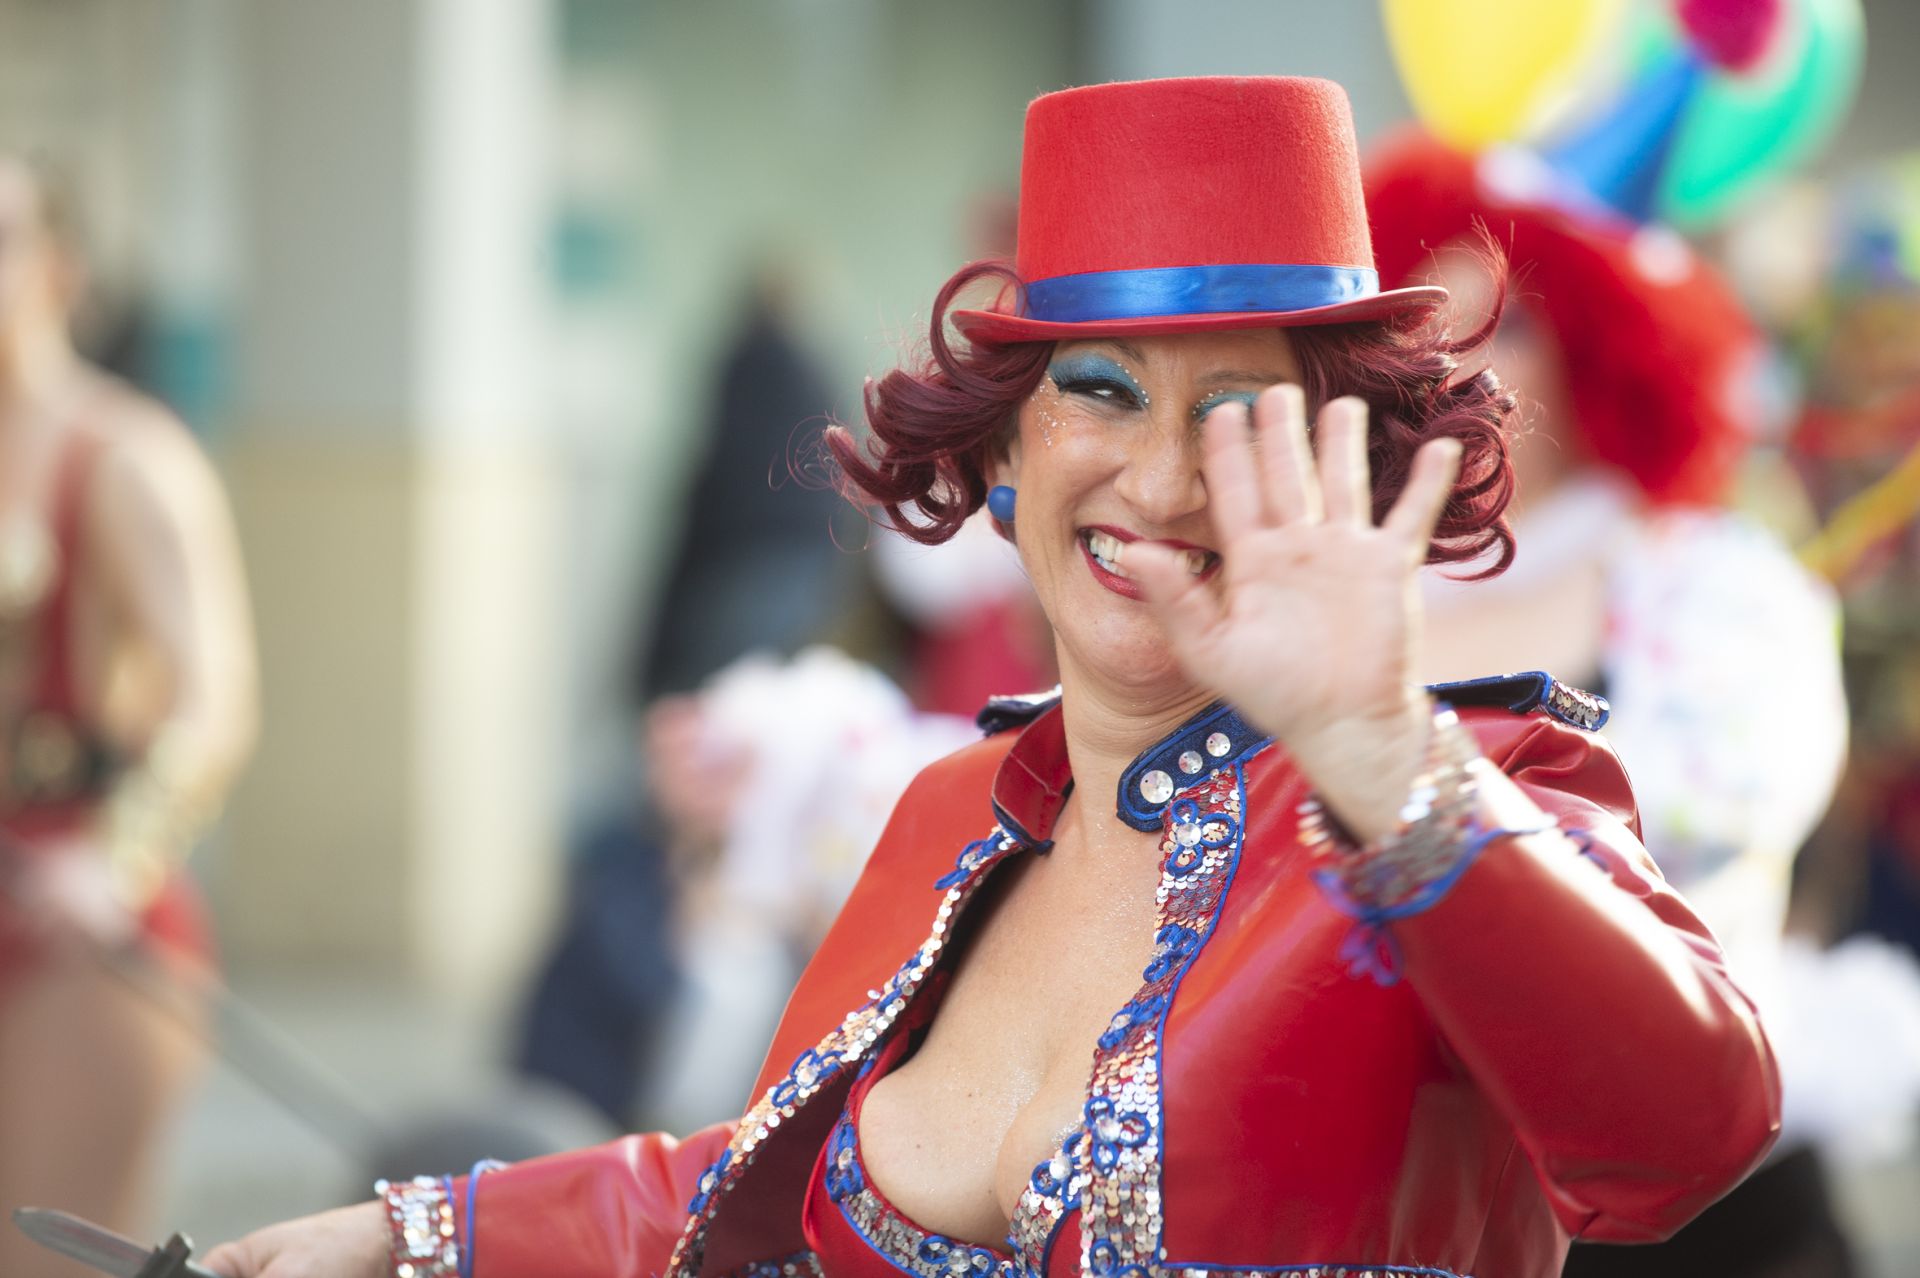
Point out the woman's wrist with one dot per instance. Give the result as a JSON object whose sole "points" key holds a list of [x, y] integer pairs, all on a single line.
{"points": [[1361, 768], [1440, 828], [1410, 867]]}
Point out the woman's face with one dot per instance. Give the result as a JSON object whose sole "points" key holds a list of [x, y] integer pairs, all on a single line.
{"points": [[1108, 451]]}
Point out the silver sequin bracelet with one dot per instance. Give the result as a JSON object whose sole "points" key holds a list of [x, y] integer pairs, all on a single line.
{"points": [[1436, 827], [421, 1227]]}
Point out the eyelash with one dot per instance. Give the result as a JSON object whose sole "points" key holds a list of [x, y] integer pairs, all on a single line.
{"points": [[1111, 390], [1097, 388], [1211, 402]]}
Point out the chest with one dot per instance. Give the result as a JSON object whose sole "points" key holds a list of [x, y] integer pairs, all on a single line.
{"points": [[1054, 948], [65, 638]]}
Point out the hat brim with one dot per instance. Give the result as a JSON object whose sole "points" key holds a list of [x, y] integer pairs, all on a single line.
{"points": [[999, 326]]}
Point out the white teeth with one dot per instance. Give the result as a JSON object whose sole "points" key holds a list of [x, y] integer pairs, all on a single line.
{"points": [[1107, 551]]}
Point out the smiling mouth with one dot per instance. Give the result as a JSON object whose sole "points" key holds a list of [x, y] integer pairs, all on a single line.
{"points": [[1106, 552]]}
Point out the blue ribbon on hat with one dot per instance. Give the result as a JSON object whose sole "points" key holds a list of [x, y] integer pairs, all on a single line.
{"points": [[1196, 290]]}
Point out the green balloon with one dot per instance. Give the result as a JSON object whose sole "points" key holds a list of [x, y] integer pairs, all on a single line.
{"points": [[1741, 130]]}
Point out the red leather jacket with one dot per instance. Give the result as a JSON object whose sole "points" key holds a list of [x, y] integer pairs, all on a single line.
{"points": [[1566, 1055]]}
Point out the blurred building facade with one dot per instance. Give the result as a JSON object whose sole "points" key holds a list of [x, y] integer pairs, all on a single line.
{"points": [[442, 279]]}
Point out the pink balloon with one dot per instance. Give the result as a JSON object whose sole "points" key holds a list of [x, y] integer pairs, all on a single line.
{"points": [[1734, 34]]}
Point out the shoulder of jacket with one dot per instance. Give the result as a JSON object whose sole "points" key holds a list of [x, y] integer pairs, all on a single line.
{"points": [[1015, 710], [1530, 692]]}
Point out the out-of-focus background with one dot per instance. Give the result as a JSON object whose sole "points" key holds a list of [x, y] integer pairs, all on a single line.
{"points": [[453, 291]]}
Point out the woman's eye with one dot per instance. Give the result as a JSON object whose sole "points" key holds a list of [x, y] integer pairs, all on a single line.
{"points": [[1101, 388], [1212, 402]]}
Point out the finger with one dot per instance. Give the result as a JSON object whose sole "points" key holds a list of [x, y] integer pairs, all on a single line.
{"points": [[1429, 484], [1342, 449], [1226, 462], [230, 1260], [1182, 603], [1286, 459]]}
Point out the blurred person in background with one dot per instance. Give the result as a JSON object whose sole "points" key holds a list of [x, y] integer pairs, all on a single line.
{"points": [[1633, 575], [976, 631], [1270, 961], [753, 568], [774, 781], [127, 707], [776, 778], [1834, 269]]}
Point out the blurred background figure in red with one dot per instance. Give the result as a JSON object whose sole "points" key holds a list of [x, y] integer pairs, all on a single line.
{"points": [[127, 707], [1652, 517]]}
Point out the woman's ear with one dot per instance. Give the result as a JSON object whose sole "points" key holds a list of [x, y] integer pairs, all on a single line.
{"points": [[1003, 468]]}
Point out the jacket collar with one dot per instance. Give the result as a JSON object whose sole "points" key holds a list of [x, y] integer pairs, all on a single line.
{"points": [[1035, 777]]}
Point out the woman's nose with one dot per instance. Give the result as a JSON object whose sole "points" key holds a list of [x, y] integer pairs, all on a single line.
{"points": [[1161, 480]]}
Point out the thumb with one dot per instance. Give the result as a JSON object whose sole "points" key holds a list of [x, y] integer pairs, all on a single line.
{"points": [[233, 1260], [1183, 605]]}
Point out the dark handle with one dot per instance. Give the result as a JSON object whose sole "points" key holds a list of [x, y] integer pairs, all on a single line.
{"points": [[170, 1261]]}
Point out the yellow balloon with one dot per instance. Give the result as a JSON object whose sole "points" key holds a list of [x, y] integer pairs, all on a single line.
{"points": [[1482, 71]]}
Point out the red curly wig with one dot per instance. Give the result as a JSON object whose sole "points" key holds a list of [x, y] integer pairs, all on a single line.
{"points": [[937, 424], [1654, 344]]}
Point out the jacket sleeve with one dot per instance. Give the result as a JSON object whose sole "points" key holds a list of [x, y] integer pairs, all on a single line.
{"points": [[1591, 1003], [611, 1211]]}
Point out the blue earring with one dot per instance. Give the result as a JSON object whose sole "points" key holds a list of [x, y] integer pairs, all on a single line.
{"points": [[1000, 503]]}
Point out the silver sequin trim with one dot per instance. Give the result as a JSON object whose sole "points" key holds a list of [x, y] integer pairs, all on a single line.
{"points": [[1121, 1218], [822, 1064]]}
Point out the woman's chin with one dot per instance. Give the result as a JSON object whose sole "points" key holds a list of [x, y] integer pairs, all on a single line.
{"points": [[1130, 652]]}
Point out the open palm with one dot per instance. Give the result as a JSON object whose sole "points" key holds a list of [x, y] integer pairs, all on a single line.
{"points": [[1314, 624]]}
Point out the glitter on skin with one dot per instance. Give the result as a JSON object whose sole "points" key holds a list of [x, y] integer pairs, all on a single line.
{"points": [[1045, 398]]}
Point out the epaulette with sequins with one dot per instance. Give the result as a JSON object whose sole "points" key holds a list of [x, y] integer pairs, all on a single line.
{"points": [[1001, 713], [1526, 692]]}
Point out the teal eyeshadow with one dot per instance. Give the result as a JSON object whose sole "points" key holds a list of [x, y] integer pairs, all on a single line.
{"points": [[1214, 401], [1073, 370]]}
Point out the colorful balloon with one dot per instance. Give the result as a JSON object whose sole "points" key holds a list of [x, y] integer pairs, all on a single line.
{"points": [[1483, 71], [1742, 129]]}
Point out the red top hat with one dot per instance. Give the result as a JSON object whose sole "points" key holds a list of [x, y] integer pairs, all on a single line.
{"points": [[1173, 206]]}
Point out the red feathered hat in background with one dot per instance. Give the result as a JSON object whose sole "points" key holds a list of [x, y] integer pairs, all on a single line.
{"points": [[1186, 205], [1657, 352]]}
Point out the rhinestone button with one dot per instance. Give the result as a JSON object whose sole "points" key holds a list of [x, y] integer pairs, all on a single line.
{"points": [[1191, 762], [1156, 787], [1218, 745]]}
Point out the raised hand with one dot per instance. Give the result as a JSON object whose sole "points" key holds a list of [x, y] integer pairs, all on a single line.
{"points": [[1312, 627], [349, 1242]]}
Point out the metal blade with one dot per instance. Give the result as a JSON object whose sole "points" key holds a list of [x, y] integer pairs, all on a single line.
{"points": [[83, 1241]]}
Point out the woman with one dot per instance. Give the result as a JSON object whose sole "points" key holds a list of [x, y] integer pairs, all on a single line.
{"points": [[1548, 1043], [1633, 571], [126, 707]]}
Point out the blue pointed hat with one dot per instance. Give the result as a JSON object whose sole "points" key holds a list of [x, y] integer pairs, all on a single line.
{"points": [[1620, 158]]}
